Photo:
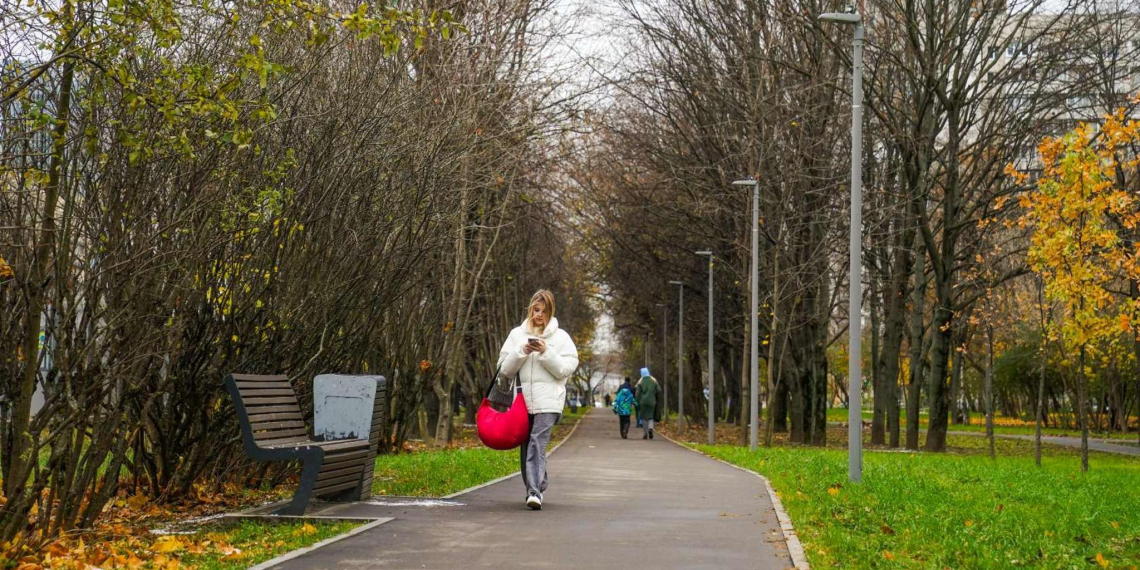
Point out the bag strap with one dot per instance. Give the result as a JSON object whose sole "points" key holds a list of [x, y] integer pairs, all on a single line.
{"points": [[516, 384]]}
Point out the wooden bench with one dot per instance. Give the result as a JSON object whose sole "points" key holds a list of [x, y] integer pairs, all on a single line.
{"points": [[273, 429]]}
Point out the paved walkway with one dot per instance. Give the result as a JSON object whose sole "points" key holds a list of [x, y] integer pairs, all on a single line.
{"points": [[612, 503], [1094, 444]]}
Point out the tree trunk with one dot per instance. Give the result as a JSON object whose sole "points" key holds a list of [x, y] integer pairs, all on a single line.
{"points": [[957, 414], [940, 346], [432, 413], [778, 403], [18, 455], [894, 326], [945, 276], [1081, 414], [817, 394], [917, 314], [1043, 360], [745, 380], [777, 406], [989, 388], [878, 380]]}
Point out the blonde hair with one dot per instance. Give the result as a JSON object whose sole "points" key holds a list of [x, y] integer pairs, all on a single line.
{"points": [[545, 297]]}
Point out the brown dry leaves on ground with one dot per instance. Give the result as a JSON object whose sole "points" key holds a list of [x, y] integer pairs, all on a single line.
{"points": [[122, 536]]}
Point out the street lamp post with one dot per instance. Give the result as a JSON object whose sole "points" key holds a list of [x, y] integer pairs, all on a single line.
{"points": [[855, 320], [680, 355], [664, 358], [754, 360], [712, 376]]}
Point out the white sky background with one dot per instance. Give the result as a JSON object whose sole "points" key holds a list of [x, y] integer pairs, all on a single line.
{"points": [[587, 50]]}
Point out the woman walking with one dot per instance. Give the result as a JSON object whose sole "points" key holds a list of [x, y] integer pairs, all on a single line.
{"points": [[543, 356], [623, 407], [647, 389]]}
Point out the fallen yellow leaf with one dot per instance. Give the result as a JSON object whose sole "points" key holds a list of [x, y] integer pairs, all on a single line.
{"points": [[969, 523], [887, 554], [168, 544], [1100, 560], [832, 491], [137, 502]]}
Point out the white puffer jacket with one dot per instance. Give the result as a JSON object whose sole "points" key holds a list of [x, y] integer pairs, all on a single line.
{"points": [[543, 376]]}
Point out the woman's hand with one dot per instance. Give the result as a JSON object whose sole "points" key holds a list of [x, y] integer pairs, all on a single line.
{"points": [[539, 347]]}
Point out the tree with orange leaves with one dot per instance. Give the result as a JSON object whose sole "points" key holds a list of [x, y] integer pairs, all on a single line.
{"points": [[1075, 213]]}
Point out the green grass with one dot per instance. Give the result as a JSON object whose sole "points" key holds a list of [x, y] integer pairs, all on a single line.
{"points": [[840, 415], [440, 472], [260, 541], [954, 511], [436, 473]]}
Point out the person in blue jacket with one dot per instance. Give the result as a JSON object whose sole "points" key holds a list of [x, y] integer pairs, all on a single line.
{"points": [[623, 407]]}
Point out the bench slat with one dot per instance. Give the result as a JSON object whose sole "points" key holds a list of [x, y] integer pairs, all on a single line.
{"points": [[250, 402], [279, 409], [245, 394], [276, 417], [347, 458], [285, 442], [259, 378], [278, 434], [343, 445], [356, 471], [334, 489], [345, 455], [263, 385], [322, 486], [272, 425]]}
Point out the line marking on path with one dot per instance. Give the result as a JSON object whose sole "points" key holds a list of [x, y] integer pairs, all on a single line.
{"points": [[516, 474], [795, 548]]}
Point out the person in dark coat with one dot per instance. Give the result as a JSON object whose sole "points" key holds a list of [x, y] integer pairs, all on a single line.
{"points": [[623, 407], [647, 390]]}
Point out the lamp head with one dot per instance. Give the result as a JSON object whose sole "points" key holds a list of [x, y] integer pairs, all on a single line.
{"points": [[703, 252], [682, 283], [744, 182], [848, 17]]}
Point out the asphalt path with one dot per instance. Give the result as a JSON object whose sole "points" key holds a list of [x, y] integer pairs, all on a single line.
{"points": [[612, 503]]}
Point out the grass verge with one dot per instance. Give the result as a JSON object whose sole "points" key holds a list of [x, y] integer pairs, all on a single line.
{"points": [[1002, 425], [439, 472], [214, 546], [252, 542], [948, 511]]}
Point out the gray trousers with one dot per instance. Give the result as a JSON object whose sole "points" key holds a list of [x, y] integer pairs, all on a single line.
{"points": [[647, 425], [532, 454]]}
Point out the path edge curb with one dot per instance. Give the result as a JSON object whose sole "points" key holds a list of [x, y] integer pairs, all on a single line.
{"points": [[302, 551], [791, 539], [505, 477]]}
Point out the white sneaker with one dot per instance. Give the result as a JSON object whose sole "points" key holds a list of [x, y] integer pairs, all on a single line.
{"points": [[534, 502]]}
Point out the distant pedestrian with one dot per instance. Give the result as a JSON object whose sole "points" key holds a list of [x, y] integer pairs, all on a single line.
{"points": [[609, 400], [543, 356], [623, 407], [647, 392]]}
